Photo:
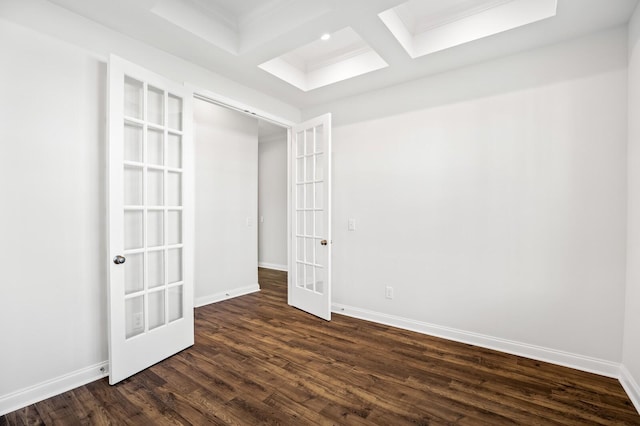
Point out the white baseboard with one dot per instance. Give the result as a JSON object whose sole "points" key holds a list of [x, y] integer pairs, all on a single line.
{"points": [[225, 295], [630, 386], [273, 266], [47, 389], [566, 359]]}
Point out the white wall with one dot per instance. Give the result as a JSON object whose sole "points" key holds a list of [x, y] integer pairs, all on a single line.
{"points": [[226, 196], [52, 221], [496, 207], [272, 202], [631, 355]]}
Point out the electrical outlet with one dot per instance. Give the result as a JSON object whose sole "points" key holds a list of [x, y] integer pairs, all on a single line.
{"points": [[388, 292], [249, 222]]}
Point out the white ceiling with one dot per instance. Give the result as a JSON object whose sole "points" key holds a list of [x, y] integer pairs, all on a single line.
{"points": [[233, 37]]}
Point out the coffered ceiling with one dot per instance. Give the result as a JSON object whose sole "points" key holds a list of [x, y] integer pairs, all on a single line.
{"points": [[274, 45]]}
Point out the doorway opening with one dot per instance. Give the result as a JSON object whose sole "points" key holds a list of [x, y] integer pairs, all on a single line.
{"points": [[231, 227], [227, 160]]}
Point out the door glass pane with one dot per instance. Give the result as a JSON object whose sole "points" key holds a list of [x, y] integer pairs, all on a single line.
{"points": [[309, 142], [155, 106], [134, 316], [155, 147], [309, 172], [155, 228], [132, 98], [174, 189], [319, 222], [319, 138], [308, 223], [175, 112], [156, 268], [308, 196], [299, 275], [300, 196], [309, 255], [132, 179], [175, 151], [175, 303], [155, 196], [320, 280], [132, 143], [300, 223], [300, 249], [319, 189], [319, 167], [133, 230], [308, 277], [134, 273], [300, 144], [156, 309], [299, 170], [175, 265], [175, 227]]}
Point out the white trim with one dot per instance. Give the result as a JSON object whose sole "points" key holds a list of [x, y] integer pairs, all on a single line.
{"points": [[225, 295], [290, 232], [630, 386], [274, 266], [41, 391], [566, 359], [218, 99]]}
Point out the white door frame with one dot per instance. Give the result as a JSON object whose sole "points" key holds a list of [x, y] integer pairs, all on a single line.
{"points": [[218, 99]]}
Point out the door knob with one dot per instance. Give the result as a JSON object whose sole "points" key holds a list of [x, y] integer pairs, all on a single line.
{"points": [[119, 260], [323, 242]]}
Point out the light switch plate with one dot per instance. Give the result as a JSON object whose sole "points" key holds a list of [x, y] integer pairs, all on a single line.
{"points": [[351, 225]]}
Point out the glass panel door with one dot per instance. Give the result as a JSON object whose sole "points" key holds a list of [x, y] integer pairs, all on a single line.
{"points": [[311, 239], [150, 295]]}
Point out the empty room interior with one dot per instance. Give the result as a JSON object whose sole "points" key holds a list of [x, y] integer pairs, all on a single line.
{"points": [[320, 212]]}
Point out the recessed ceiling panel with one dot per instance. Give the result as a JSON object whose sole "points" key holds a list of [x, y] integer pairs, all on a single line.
{"points": [[427, 26], [322, 62]]}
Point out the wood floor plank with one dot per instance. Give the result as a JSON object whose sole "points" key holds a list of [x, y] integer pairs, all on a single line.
{"points": [[257, 360], [25, 416]]}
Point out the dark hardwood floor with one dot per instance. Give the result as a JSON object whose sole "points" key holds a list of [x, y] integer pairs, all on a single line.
{"points": [[258, 361]]}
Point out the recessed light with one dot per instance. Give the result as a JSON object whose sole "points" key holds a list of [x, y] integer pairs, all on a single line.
{"points": [[325, 37]]}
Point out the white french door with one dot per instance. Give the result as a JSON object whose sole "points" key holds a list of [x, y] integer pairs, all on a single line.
{"points": [[310, 264], [150, 219]]}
